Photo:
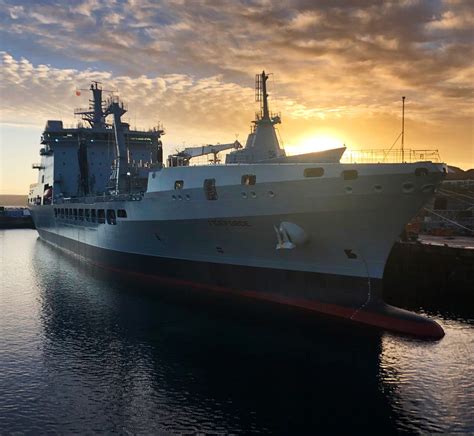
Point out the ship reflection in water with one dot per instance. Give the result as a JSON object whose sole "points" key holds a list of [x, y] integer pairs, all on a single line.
{"points": [[84, 351]]}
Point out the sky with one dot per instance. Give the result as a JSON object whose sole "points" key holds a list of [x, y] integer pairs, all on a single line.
{"points": [[339, 70]]}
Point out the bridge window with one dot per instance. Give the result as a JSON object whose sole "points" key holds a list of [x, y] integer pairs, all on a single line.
{"points": [[313, 172], [249, 179], [111, 219], [210, 189], [350, 174], [101, 216], [179, 184], [122, 213], [93, 216]]}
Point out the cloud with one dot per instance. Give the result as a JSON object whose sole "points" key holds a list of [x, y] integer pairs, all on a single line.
{"points": [[192, 64], [202, 106]]}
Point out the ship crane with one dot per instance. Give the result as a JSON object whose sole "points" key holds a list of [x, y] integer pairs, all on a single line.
{"points": [[183, 157]]}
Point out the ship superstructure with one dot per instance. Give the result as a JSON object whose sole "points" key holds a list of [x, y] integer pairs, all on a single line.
{"points": [[306, 231], [97, 158]]}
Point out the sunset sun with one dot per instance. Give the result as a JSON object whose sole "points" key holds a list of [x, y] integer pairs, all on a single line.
{"points": [[312, 143]]}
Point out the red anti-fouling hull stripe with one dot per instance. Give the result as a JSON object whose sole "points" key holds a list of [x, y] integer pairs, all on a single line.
{"points": [[379, 315], [386, 317]]}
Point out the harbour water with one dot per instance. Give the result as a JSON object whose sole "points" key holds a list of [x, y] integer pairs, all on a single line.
{"points": [[84, 351]]}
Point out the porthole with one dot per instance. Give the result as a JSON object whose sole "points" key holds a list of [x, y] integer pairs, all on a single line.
{"points": [[378, 188], [244, 195], [180, 197], [173, 197], [348, 190], [188, 197], [253, 194], [408, 187], [271, 194]]}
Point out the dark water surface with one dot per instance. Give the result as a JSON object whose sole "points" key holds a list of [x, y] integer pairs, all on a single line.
{"points": [[83, 351]]}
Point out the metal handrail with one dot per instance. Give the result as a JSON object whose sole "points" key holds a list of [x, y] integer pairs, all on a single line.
{"points": [[379, 155], [99, 198]]}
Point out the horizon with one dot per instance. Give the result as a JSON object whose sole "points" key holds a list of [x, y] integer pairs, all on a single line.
{"points": [[339, 73]]}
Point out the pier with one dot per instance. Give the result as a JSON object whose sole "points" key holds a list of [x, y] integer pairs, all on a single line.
{"points": [[434, 272]]}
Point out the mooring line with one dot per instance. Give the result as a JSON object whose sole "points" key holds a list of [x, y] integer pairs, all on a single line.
{"points": [[369, 285], [451, 221]]}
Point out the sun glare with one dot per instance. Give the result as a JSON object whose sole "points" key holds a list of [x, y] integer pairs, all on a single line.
{"points": [[314, 143]]}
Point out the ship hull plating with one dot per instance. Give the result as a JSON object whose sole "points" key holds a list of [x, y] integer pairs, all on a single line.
{"points": [[319, 244], [357, 299]]}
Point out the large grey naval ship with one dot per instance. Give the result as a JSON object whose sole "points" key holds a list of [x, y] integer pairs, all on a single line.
{"points": [[306, 231]]}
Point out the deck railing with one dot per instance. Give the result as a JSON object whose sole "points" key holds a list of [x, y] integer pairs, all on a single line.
{"points": [[389, 156], [99, 198]]}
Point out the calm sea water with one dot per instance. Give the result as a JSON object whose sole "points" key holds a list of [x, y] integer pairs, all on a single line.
{"points": [[82, 351]]}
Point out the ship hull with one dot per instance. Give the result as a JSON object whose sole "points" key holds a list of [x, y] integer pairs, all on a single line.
{"points": [[357, 299], [319, 243]]}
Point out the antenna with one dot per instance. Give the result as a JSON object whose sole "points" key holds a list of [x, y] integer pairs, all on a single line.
{"points": [[403, 129]]}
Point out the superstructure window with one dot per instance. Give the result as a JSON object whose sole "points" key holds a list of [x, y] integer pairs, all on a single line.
{"points": [[62, 213], [210, 189], [75, 213], [350, 174], [66, 213], [179, 184], [87, 214], [111, 219], [122, 213], [248, 179], [93, 216], [101, 216], [314, 172], [81, 214]]}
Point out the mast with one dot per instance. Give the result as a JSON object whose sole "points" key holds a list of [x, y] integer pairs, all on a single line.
{"points": [[262, 143], [261, 95], [94, 115], [98, 115], [403, 129], [266, 115]]}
